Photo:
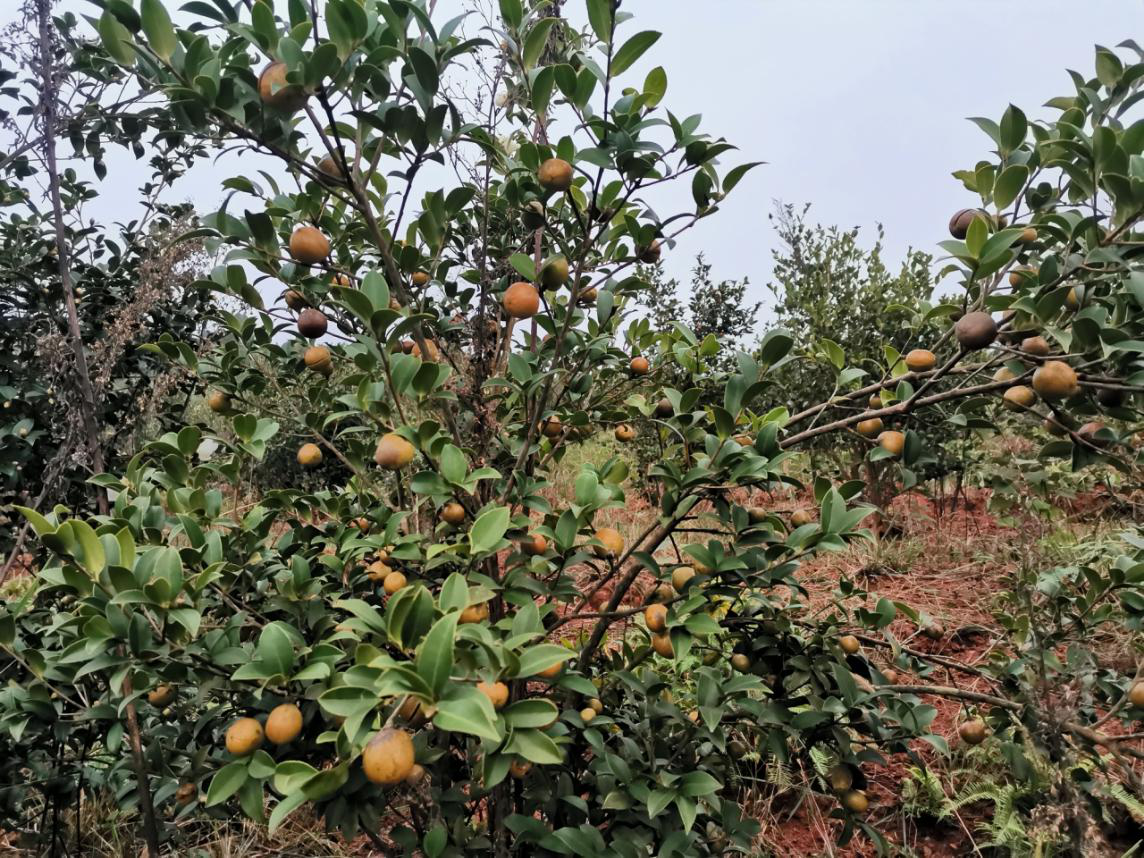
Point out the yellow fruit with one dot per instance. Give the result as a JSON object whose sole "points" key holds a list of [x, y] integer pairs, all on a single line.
{"points": [[639, 365], [655, 617], [284, 724], [318, 359], [870, 428], [161, 695], [1019, 398], [309, 455], [596, 705], [1018, 275], [521, 300], [453, 513], [588, 296], [921, 360], [389, 757], [1037, 346], [552, 671], [432, 353], [801, 517], [875, 401], [855, 801], [662, 645], [624, 433], [613, 543], [1055, 379], [849, 644], [308, 245], [276, 93], [475, 613], [1072, 300], [587, 714], [973, 731], [535, 545], [681, 578], [497, 692], [393, 582], [393, 452], [841, 778], [312, 323], [244, 737], [741, 662], [218, 402], [551, 427], [555, 273], [420, 278], [1136, 694], [555, 174], [757, 514], [893, 442]]}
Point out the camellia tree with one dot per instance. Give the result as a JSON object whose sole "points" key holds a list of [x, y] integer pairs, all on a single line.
{"points": [[414, 653]]}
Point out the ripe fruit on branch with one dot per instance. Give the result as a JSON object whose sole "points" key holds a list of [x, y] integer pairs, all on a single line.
{"points": [[1036, 346], [555, 174], [892, 441], [389, 757], [624, 433], [1136, 694], [551, 427], [554, 274], [318, 359], [587, 714], [973, 731], [655, 617], [432, 353], [1054, 427], [975, 330], [284, 724], [331, 167], [1055, 379], [312, 323], [664, 408], [185, 794], [741, 662], [840, 778], [639, 365], [393, 582], [661, 643], [849, 644], [921, 360], [870, 428], [452, 513], [552, 671], [1004, 374], [959, 223], [681, 578], [308, 245], [855, 801], [419, 278], [651, 254], [218, 402], [521, 300], [1019, 275], [393, 452], [1088, 433], [475, 613], [613, 543], [276, 93], [535, 545], [497, 692], [294, 299], [1028, 235], [244, 737], [801, 517], [161, 695], [309, 455], [1019, 398]]}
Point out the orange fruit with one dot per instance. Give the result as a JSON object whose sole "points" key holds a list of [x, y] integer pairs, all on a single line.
{"points": [[276, 93], [244, 737], [655, 617], [393, 582], [921, 360], [893, 442], [535, 545], [613, 543], [308, 245], [555, 174], [521, 300], [639, 365], [497, 692], [389, 757], [452, 513], [284, 724], [393, 452], [309, 455]]}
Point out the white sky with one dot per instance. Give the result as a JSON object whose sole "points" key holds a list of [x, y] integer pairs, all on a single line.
{"points": [[858, 107]]}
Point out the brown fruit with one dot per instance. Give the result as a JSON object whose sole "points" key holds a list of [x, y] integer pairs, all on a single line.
{"points": [[613, 543], [276, 93], [639, 365], [587, 714], [664, 408], [596, 705], [309, 455], [875, 401], [655, 617], [295, 300], [312, 323], [892, 441], [757, 514], [1136, 694], [521, 300], [849, 644], [871, 427], [1018, 275], [1019, 398], [681, 578], [497, 692], [555, 174], [554, 274], [1037, 346], [185, 794], [801, 517], [389, 757], [416, 775], [519, 768], [1088, 433], [161, 695], [284, 724], [624, 433], [651, 253], [475, 613], [741, 662], [972, 732], [420, 278], [218, 402], [840, 777], [535, 545], [1055, 379], [975, 330], [318, 359], [959, 223], [662, 645], [551, 427], [331, 167], [1004, 374], [890, 675], [921, 360], [935, 631], [393, 582], [855, 801], [663, 593], [308, 245], [393, 452], [453, 513], [432, 353], [244, 737], [1028, 235], [362, 524]]}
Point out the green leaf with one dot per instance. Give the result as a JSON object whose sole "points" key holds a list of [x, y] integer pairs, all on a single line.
{"points": [[536, 39], [534, 712], [454, 465], [117, 39], [1009, 184], [466, 710], [512, 12], [600, 17], [435, 654], [541, 657], [91, 555], [736, 173], [524, 266], [226, 782], [39, 524], [488, 529], [631, 51], [654, 87], [1013, 128], [284, 808], [535, 746], [157, 26], [695, 784]]}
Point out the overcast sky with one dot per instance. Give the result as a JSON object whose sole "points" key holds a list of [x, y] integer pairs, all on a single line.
{"points": [[857, 106]]}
